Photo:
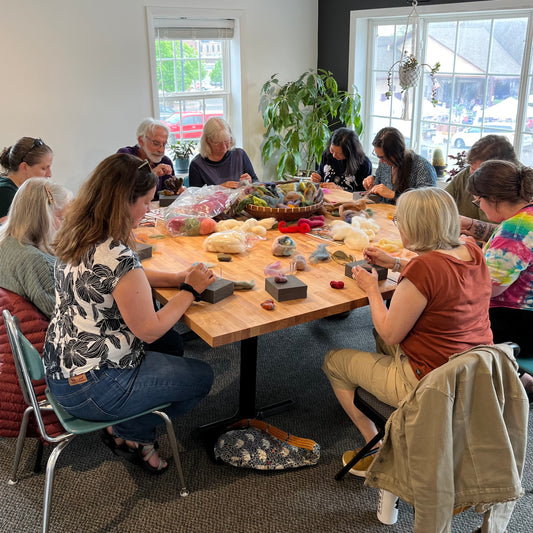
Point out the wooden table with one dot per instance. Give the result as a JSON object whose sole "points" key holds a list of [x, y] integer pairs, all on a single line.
{"points": [[240, 317]]}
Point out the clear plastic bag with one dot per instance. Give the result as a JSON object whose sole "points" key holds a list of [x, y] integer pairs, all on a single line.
{"points": [[190, 213], [230, 242]]}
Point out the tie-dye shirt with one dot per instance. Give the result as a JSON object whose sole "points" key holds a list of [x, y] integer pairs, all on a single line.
{"points": [[509, 256]]}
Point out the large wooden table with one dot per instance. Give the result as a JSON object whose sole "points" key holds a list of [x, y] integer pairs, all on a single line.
{"points": [[240, 317]]}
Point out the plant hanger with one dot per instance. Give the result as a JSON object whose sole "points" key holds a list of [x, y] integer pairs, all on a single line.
{"points": [[409, 67]]}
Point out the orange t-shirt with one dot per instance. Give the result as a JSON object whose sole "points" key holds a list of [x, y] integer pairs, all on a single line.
{"points": [[456, 316]]}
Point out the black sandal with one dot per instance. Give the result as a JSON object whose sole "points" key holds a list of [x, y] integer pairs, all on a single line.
{"points": [[121, 450], [143, 455]]}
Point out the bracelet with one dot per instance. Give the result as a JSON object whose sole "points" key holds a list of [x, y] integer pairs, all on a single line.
{"points": [[188, 288], [471, 224], [397, 265]]}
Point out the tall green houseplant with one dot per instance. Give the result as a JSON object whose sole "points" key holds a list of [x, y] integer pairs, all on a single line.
{"points": [[300, 115]]}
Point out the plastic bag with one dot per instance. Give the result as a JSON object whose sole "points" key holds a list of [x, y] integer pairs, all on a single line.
{"points": [[188, 213], [230, 242]]}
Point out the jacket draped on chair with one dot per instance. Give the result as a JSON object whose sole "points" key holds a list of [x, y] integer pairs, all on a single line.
{"points": [[458, 440], [33, 325]]}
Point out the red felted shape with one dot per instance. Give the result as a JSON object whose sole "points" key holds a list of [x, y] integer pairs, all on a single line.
{"points": [[33, 325]]}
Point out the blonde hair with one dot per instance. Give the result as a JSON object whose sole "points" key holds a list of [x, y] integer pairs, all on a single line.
{"points": [[212, 130], [31, 217], [429, 219]]}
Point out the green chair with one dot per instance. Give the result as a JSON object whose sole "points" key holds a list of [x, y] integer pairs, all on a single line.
{"points": [[30, 366]]}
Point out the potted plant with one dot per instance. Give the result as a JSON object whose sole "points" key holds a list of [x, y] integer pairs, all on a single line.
{"points": [[182, 150], [460, 163], [409, 71], [438, 162], [299, 117]]}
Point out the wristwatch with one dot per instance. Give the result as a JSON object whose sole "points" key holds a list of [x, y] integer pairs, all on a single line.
{"points": [[188, 288]]}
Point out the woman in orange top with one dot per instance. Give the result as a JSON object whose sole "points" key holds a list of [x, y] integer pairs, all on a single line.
{"points": [[440, 307]]}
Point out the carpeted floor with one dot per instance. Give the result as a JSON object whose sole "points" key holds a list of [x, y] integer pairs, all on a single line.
{"points": [[98, 492]]}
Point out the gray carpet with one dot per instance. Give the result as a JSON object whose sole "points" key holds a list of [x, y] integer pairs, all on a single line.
{"points": [[98, 492]]}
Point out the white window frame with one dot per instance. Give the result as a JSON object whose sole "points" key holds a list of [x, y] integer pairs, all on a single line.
{"points": [[234, 79], [360, 52]]}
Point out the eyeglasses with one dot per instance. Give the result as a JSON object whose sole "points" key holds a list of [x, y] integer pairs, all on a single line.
{"points": [[157, 144], [395, 220], [380, 157], [37, 143], [220, 143], [145, 163], [477, 201]]}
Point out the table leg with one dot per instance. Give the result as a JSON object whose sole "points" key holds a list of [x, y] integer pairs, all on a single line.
{"points": [[247, 392]]}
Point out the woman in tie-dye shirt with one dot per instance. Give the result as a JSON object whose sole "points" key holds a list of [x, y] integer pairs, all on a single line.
{"points": [[505, 193]]}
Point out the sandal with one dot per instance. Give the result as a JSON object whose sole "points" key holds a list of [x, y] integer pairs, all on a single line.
{"points": [[144, 453], [122, 450]]}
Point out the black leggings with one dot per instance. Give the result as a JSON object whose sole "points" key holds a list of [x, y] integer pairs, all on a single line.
{"points": [[513, 325]]}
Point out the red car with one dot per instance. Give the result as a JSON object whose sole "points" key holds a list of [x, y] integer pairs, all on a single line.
{"points": [[188, 125]]}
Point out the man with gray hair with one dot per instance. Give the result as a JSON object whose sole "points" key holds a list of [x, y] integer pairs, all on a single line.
{"points": [[152, 137]]}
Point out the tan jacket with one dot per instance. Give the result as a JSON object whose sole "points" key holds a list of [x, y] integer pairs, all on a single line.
{"points": [[458, 440]]}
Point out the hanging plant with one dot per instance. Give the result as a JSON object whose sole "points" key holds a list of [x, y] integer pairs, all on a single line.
{"points": [[409, 71]]}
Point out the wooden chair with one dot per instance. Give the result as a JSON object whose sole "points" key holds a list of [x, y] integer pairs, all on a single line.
{"points": [[30, 367]]}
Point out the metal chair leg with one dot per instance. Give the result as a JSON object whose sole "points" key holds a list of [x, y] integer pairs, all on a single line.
{"points": [[49, 482], [184, 491], [20, 444]]}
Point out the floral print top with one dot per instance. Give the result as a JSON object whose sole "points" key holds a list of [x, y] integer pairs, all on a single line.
{"points": [[334, 170], [509, 256], [87, 330]]}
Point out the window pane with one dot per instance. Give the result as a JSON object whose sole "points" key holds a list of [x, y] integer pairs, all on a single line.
{"points": [[507, 53], [472, 53]]}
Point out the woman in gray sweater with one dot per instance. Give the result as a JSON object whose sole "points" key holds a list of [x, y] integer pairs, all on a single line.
{"points": [[26, 252]]}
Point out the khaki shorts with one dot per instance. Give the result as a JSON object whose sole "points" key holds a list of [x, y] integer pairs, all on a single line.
{"points": [[386, 374]]}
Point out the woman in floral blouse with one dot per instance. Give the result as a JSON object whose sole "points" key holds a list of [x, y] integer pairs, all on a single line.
{"points": [[97, 366], [344, 162]]}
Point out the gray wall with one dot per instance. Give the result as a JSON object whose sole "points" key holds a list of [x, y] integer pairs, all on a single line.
{"points": [[334, 30]]}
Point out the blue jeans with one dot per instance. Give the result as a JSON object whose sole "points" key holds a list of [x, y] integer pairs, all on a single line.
{"points": [[110, 394]]}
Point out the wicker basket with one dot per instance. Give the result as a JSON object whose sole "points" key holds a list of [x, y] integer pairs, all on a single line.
{"points": [[282, 213]]}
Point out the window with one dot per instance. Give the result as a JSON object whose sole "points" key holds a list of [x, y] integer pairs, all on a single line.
{"points": [[482, 84], [191, 69]]}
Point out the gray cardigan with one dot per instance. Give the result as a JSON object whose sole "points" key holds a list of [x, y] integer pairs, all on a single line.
{"points": [[28, 272]]}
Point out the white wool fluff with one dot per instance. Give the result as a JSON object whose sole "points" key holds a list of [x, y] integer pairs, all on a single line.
{"points": [[357, 239]]}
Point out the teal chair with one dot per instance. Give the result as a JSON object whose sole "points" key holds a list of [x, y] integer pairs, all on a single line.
{"points": [[30, 366]]}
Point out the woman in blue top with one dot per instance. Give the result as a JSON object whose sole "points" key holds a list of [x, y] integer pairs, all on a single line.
{"points": [[344, 162], [399, 169], [219, 162]]}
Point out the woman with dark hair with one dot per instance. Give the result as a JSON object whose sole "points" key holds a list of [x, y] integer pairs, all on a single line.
{"points": [[399, 169], [344, 162], [27, 158], [505, 193], [97, 366]]}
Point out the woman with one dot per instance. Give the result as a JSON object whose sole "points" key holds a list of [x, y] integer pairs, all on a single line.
{"points": [[96, 363], [26, 251], [27, 158], [344, 162], [440, 307], [505, 192], [219, 162], [399, 169]]}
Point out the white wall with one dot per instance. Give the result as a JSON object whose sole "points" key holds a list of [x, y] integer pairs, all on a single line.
{"points": [[77, 73]]}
